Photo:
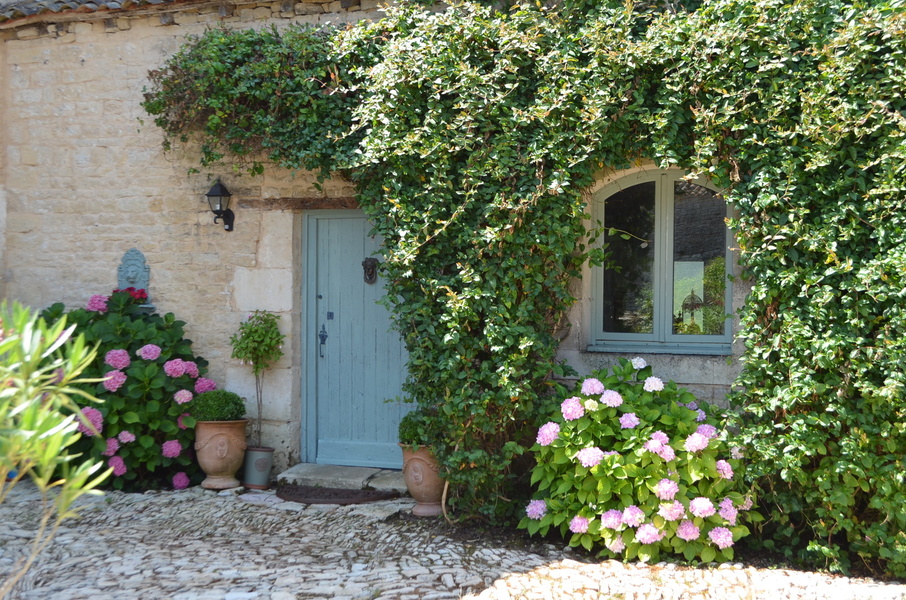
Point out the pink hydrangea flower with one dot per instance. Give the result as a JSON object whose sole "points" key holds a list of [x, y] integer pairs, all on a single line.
{"points": [[666, 489], [667, 453], [633, 516], [536, 509], [191, 368], [688, 531], [93, 416], [629, 421], [592, 387], [611, 398], [648, 534], [175, 367], [115, 380], [97, 303], [118, 465], [548, 433], [700, 415], [590, 457], [696, 442], [149, 352], [724, 469], [203, 384], [672, 512], [180, 481], [182, 396], [709, 431], [728, 511], [590, 405], [638, 363], [572, 409], [118, 359], [660, 436], [612, 519], [126, 437], [736, 452], [179, 419], [653, 384], [171, 449], [617, 545], [653, 446], [721, 536], [701, 507], [112, 446], [578, 524], [747, 504]]}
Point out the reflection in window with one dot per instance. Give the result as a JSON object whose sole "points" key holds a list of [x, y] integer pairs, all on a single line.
{"points": [[699, 265], [628, 289]]}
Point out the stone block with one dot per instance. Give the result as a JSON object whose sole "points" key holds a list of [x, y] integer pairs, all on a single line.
{"points": [[308, 8], [264, 289], [275, 248], [28, 33], [183, 18]]}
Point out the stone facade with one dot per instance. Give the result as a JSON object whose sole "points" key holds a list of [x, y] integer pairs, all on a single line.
{"points": [[83, 178]]}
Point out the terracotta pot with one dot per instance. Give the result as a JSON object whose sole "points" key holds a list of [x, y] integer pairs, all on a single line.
{"points": [[220, 447], [421, 473]]}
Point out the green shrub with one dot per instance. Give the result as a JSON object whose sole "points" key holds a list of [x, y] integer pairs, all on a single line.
{"points": [[149, 374], [258, 343], [217, 405], [415, 429], [637, 468]]}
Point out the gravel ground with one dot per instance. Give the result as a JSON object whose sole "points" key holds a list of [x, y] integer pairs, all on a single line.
{"points": [[200, 545]]}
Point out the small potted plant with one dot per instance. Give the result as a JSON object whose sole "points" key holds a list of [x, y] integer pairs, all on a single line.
{"points": [[259, 344], [421, 471], [219, 436]]}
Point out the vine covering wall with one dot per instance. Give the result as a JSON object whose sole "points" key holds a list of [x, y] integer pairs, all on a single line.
{"points": [[471, 134]]}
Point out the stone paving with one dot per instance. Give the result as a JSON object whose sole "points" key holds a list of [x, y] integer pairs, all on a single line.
{"points": [[201, 545]]}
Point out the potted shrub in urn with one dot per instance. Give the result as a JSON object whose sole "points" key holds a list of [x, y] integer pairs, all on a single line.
{"points": [[421, 471], [258, 343], [220, 423]]}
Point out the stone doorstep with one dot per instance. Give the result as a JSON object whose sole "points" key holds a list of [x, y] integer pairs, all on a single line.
{"points": [[350, 478]]}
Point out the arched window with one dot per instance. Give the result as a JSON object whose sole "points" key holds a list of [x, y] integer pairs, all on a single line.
{"points": [[668, 289]]}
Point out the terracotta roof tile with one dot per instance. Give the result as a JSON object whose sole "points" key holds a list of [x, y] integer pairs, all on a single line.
{"points": [[17, 9]]}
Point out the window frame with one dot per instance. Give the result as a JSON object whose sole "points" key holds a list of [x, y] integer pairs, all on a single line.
{"points": [[662, 340]]}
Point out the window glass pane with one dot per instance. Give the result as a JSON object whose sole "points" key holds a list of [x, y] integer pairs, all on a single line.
{"points": [[628, 289], [699, 260]]}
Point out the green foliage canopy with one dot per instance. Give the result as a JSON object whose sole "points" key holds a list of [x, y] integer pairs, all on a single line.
{"points": [[472, 134]]}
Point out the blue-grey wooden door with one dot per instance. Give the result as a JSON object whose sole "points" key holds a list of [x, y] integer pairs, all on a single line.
{"points": [[356, 363]]}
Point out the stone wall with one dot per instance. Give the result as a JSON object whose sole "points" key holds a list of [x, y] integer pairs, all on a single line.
{"points": [[84, 179]]}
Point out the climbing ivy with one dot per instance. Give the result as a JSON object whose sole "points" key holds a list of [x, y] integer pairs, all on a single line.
{"points": [[472, 134]]}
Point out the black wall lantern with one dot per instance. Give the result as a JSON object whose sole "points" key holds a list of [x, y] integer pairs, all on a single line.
{"points": [[219, 201]]}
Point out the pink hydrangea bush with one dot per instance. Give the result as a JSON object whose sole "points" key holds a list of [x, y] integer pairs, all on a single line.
{"points": [[635, 468], [148, 375]]}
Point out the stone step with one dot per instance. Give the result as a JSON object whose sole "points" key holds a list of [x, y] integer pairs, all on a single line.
{"points": [[350, 478]]}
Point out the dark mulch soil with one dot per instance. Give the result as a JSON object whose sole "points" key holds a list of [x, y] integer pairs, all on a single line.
{"points": [[307, 494], [510, 537]]}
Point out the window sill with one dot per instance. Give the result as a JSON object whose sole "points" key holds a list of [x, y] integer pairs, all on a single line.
{"points": [[719, 349]]}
